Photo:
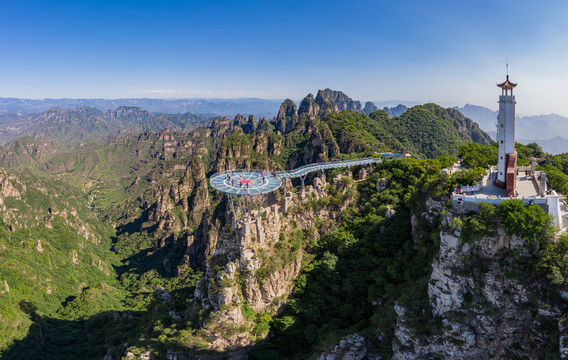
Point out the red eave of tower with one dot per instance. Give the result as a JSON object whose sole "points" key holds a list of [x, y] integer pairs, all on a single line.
{"points": [[507, 84]]}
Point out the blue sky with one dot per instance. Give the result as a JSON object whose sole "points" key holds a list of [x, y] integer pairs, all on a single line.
{"points": [[448, 52]]}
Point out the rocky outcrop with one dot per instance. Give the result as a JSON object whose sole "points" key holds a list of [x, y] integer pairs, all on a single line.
{"points": [[220, 127], [309, 108], [250, 126], [369, 108], [395, 111], [485, 307], [287, 117], [320, 146], [239, 121], [264, 125], [335, 101], [10, 186]]}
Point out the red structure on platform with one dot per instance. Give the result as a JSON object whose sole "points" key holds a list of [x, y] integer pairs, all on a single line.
{"points": [[511, 175]]}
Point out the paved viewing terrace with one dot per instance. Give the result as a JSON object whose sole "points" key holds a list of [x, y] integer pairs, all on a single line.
{"points": [[527, 189]]}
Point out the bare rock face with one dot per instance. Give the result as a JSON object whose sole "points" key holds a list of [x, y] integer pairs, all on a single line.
{"points": [[239, 120], [6, 288], [381, 184], [221, 127], [287, 117], [10, 186], [485, 311], [309, 108], [335, 101], [250, 126], [395, 111], [320, 146], [369, 108]]}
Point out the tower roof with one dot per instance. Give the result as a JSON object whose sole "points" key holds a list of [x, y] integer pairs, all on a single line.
{"points": [[507, 84]]}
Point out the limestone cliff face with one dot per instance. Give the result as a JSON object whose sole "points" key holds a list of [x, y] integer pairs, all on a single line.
{"points": [[221, 128], [250, 126], [485, 307], [321, 145], [369, 108], [181, 204], [239, 120], [395, 111], [309, 108], [287, 117], [334, 101]]}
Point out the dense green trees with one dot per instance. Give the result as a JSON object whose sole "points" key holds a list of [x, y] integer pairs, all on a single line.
{"points": [[478, 155]]}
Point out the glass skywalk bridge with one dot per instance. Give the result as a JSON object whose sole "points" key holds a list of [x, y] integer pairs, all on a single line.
{"points": [[242, 184]]}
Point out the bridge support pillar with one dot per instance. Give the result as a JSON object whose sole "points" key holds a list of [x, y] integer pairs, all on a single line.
{"points": [[244, 215], [285, 205]]}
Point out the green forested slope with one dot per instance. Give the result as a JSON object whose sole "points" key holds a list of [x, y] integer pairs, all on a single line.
{"points": [[429, 130], [52, 248]]}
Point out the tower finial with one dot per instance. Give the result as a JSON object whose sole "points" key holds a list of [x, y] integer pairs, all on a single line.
{"points": [[507, 66]]}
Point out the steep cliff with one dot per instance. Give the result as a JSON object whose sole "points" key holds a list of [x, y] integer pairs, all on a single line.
{"points": [[486, 302], [287, 117], [309, 108]]}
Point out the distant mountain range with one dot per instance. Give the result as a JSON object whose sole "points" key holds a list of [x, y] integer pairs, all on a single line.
{"points": [[213, 107], [549, 131], [85, 124]]}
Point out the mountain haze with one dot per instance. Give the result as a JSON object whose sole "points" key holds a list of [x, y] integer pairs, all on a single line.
{"points": [[549, 131], [211, 107]]}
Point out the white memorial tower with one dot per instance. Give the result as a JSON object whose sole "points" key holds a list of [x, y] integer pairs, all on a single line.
{"points": [[507, 165]]}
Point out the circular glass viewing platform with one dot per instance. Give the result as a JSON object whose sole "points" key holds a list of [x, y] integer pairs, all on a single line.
{"points": [[245, 182]]}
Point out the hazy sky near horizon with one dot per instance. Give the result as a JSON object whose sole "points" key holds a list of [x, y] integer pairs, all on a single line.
{"points": [[448, 52]]}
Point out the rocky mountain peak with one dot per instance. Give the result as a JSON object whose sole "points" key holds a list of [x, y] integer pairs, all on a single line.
{"points": [[287, 117], [396, 111], [220, 127], [326, 97], [239, 120], [250, 125], [309, 107], [369, 108]]}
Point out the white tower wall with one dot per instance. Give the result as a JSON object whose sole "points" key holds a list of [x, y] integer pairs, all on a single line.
{"points": [[505, 132]]}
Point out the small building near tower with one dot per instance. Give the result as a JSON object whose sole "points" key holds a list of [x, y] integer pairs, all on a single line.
{"points": [[507, 180], [507, 161]]}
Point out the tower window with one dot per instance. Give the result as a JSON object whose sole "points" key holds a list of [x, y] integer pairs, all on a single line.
{"points": [[501, 158], [501, 173], [501, 125], [501, 141]]}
